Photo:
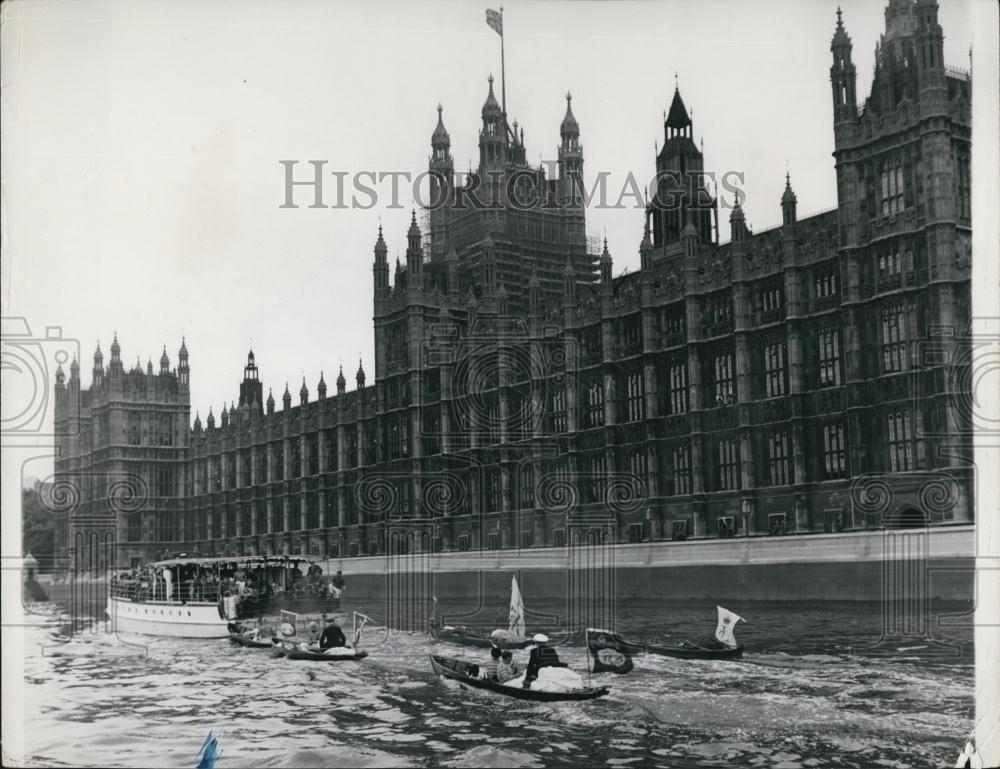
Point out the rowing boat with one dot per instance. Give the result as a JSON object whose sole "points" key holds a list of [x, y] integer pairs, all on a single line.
{"points": [[246, 638], [467, 673], [293, 652], [470, 637]]}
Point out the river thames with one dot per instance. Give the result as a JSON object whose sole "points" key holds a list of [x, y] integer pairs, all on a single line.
{"points": [[816, 688]]}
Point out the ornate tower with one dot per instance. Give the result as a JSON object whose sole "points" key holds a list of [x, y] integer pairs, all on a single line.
{"points": [[251, 388], [680, 192], [492, 145], [843, 79], [570, 155], [442, 184], [414, 257], [380, 270]]}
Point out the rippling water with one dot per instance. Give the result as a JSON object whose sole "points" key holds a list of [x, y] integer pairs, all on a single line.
{"points": [[805, 695]]}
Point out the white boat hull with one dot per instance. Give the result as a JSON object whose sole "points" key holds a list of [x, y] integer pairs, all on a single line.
{"points": [[170, 620]]}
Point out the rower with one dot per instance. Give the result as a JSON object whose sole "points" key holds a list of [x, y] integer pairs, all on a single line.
{"points": [[339, 583], [333, 636], [542, 656], [506, 668], [489, 670]]}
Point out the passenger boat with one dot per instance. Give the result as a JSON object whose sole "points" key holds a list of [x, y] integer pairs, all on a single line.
{"points": [[467, 673], [186, 597], [512, 638]]}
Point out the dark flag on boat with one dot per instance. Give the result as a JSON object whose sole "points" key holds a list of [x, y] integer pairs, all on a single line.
{"points": [[609, 652]]}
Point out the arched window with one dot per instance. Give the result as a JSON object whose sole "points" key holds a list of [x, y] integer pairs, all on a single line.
{"points": [[134, 429], [166, 431]]}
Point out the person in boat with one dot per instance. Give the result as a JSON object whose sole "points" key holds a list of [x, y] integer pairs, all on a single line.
{"points": [[333, 636], [507, 667], [489, 670], [542, 656], [705, 642]]}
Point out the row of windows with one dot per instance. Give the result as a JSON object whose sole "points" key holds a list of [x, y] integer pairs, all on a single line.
{"points": [[161, 431], [722, 472]]}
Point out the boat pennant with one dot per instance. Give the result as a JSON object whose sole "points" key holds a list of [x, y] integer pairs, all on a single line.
{"points": [[727, 624], [608, 652], [516, 616]]}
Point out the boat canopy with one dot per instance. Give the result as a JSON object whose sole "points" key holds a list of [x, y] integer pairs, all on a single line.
{"points": [[250, 560]]}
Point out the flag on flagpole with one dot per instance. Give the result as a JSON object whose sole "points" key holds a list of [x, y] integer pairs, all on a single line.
{"points": [[727, 624], [609, 652], [495, 20]]}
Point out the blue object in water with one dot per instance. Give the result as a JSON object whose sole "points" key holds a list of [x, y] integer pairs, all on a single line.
{"points": [[208, 753]]}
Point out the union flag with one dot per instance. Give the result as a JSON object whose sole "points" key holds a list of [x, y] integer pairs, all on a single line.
{"points": [[495, 20]]}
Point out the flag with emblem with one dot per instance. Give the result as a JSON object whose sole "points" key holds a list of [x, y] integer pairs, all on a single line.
{"points": [[610, 654], [495, 20], [727, 624]]}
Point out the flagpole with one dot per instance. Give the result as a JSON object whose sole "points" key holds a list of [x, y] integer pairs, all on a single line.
{"points": [[503, 77]]}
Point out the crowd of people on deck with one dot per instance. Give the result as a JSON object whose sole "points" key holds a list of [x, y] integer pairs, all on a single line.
{"points": [[226, 583]]}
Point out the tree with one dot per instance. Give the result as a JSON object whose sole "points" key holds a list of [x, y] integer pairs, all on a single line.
{"points": [[37, 526]]}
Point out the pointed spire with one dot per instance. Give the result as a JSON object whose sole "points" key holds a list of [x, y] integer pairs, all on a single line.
{"points": [[303, 393], [98, 355], [788, 196], [164, 361], [197, 422], [210, 423], [440, 136], [270, 401], [840, 36], [116, 349], [380, 247], [286, 398], [60, 376], [341, 381], [491, 107], [677, 117], [569, 124], [788, 201], [360, 375]]}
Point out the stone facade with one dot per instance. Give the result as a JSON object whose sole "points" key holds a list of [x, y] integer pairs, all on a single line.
{"points": [[795, 380]]}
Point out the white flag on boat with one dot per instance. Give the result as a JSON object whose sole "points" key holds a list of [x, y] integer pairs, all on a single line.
{"points": [[516, 624], [727, 624]]}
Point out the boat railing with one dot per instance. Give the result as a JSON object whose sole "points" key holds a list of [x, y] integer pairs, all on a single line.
{"points": [[155, 591]]}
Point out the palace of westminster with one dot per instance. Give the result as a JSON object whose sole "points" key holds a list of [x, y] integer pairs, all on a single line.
{"points": [[796, 380]]}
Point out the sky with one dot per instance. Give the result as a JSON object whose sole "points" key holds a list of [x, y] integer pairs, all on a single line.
{"points": [[142, 187]]}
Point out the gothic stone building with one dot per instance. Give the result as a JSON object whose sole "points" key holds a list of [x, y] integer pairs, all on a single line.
{"points": [[794, 380]]}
